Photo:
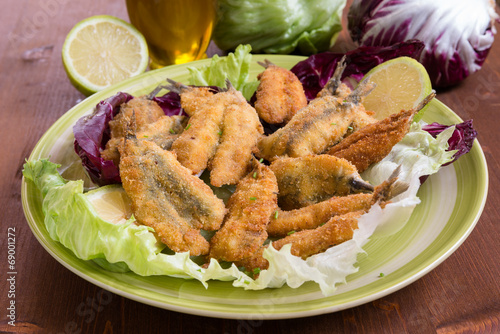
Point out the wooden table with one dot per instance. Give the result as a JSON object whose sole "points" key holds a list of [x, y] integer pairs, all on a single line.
{"points": [[461, 295]]}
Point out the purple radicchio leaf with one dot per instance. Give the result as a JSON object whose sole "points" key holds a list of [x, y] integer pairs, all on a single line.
{"points": [[91, 135], [315, 71], [457, 34], [461, 140], [170, 103]]}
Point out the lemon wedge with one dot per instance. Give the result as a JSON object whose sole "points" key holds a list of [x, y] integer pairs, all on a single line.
{"points": [[101, 51], [401, 83], [111, 203]]}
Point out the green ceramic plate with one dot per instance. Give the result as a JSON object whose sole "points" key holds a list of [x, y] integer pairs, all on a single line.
{"points": [[452, 202]]}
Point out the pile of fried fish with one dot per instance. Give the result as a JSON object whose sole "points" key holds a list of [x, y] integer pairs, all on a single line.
{"points": [[299, 185]]}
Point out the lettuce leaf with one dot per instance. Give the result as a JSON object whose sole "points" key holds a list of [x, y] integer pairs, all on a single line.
{"points": [[72, 221], [235, 67]]}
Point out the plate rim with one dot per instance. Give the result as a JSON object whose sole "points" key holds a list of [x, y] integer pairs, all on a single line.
{"points": [[403, 282]]}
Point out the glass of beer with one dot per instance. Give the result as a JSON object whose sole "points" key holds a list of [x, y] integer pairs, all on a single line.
{"points": [[177, 31]]}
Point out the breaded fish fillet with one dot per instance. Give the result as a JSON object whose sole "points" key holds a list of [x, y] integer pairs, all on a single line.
{"points": [[145, 110], [308, 180], [241, 130], [312, 216], [373, 142], [309, 242], [198, 143], [168, 198], [249, 209], [321, 124], [280, 94]]}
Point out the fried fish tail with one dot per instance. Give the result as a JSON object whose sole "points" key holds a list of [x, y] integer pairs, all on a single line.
{"points": [[334, 86]]}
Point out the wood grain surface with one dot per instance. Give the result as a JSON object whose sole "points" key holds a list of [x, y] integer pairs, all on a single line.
{"points": [[461, 295]]}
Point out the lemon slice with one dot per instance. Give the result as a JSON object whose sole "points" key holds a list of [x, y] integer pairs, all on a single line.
{"points": [[111, 203], [401, 83], [101, 51]]}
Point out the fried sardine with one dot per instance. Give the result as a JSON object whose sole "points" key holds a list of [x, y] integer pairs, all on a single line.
{"points": [[249, 209], [280, 94], [168, 198], [308, 180], [241, 130]]}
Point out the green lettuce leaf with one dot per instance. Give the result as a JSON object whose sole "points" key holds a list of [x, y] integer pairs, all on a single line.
{"points": [[71, 219], [235, 67]]}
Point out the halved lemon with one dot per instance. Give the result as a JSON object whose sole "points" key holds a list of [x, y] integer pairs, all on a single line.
{"points": [[101, 51], [401, 84], [111, 203]]}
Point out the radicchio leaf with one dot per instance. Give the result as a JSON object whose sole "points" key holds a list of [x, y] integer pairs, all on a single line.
{"points": [[457, 34], [170, 103], [461, 140], [91, 135]]}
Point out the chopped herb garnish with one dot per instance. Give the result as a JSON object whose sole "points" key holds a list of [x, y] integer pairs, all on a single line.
{"points": [[291, 232], [145, 136], [253, 198], [276, 214], [333, 123], [256, 271], [254, 175], [247, 282], [322, 224], [188, 126], [381, 275], [172, 131], [261, 160], [349, 128], [219, 133]]}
